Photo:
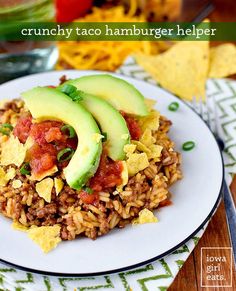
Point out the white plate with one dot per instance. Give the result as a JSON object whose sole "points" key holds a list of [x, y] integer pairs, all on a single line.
{"points": [[195, 198]]}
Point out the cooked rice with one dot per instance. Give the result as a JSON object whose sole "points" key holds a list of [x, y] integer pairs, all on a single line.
{"points": [[146, 189]]}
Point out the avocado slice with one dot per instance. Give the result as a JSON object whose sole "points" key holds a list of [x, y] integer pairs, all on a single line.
{"points": [[47, 103], [111, 122], [119, 93]]}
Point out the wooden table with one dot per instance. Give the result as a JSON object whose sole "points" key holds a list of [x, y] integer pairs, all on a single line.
{"points": [[216, 234]]}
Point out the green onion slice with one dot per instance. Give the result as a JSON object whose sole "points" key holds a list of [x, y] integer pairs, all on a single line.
{"points": [[174, 106], [65, 154], [6, 128], [70, 129], [25, 169], [72, 92], [88, 190], [188, 145]]}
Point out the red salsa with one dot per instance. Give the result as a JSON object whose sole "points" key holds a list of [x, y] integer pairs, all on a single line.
{"points": [[108, 174], [49, 140], [133, 126]]}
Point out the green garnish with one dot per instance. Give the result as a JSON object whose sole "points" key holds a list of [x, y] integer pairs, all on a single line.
{"points": [[25, 169], [6, 128], [104, 136], [174, 106], [70, 129], [88, 190], [72, 92], [188, 145], [65, 154]]}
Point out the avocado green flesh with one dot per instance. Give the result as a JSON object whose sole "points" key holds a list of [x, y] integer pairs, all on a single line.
{"points": [[50, 104], [119, 93], [111, 122]]}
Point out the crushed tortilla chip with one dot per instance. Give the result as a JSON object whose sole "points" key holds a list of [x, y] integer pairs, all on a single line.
{"points": [[44, 189], [124, 176], [145, 216], [6, 177], [58, 184], [13, 152], [41, 176], [18, 226], [222, 61], [97, 137], [47, 237], [141, 147], [16, 184], [151, 121], [146, 138], [129, 149], [11, 172], [171, 69], [3, 181], [3, 102], [137, 162], [155, 151], [150, 103]]}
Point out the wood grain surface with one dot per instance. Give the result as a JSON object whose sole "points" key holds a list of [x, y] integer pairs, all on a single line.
{"points": [[216, 234]]}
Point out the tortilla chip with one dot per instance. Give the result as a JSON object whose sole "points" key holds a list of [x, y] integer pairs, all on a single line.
{"points": [[58, 184], [47, 237], [141, 147], [150, 103], [41, 176], [5, 177], [18, 226], [13, 152], [222, 61], [182, 69], [137, 162], [145, 216], [129, 149], [146, 138], [151, 121], [44, 189]]}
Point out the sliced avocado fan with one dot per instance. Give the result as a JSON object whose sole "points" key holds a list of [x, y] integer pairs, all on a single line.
{"points": [[50, 104], [111, 123], [118, 92]]}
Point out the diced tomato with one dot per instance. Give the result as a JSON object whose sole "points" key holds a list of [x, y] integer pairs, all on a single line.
{"points": [[23, 127], [51, 129], [53, 134], [42, 158], [89, 198], [108, 174], [166, 202], [133, 126]]}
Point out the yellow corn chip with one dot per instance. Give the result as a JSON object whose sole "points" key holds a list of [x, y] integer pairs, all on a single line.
{"points": [[222, 61], [182, 69], [18, 226], [47, 237], [145, 216], [147, 139], [6, 177], [44, 189], [151, 121], [155, 151], [41, 176], [13, 152], [137, 162], [150, 103], [129, 149], [58, 184], [141, 147]]}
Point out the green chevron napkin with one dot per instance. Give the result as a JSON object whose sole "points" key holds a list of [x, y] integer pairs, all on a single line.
{"points": [[160, 274]]}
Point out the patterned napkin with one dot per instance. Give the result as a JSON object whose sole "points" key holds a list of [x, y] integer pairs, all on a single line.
{"points": [[160, 274]]}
